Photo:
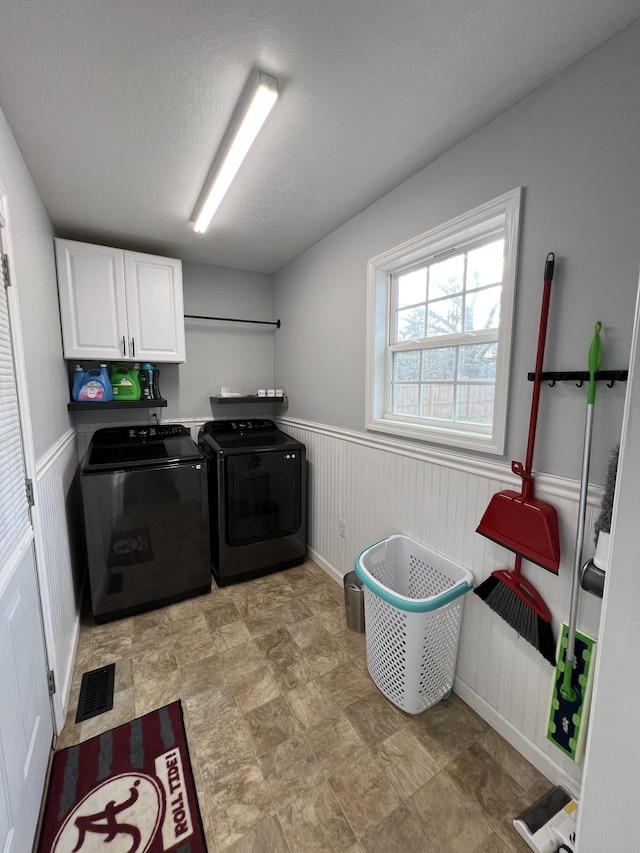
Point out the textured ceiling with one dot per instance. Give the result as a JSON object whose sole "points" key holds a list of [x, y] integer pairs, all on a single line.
{"points": [[118, 107]]}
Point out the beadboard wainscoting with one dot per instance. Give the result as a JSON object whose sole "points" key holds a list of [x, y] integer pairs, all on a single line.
{"points": [[60, 556], [379, 487]]}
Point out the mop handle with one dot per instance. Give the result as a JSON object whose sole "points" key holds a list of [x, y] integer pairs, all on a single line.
{"points": [[595, 356], [542, 336]]}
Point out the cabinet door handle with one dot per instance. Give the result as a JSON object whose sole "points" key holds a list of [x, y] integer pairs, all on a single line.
{"points": [[133, 347], [124, 346]]}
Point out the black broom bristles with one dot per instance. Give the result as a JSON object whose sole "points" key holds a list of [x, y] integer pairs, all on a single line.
{"points": [[520, 615]]}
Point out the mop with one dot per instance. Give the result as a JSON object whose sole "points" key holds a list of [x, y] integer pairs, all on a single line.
{"points": [[549, 825], [574, 671]]}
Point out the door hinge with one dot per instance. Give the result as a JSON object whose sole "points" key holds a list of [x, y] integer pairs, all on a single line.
{"points": [[5, 270], [51, 681], [29, 487]]}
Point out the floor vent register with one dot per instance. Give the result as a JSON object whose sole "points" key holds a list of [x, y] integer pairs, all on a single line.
{"points": [[96, 692]]}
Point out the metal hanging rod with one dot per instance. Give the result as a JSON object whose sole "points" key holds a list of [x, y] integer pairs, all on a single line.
{"points": [[275, 323]]}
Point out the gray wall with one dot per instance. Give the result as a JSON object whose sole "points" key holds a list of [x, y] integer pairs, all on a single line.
{"points": [[232, 354], [573, 146], [35, 282]]}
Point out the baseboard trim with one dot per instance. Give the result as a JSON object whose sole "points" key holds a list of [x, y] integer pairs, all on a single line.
{"points": [[534, 755], [331, 570]]}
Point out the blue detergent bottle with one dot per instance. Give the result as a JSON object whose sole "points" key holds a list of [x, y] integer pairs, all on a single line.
{"points": [[94, 386]]}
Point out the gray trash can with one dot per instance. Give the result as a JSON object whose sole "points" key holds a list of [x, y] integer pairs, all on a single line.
{"points": [[354, 602]]}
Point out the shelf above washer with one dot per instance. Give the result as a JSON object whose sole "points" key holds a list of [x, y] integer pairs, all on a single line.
{"points": [[118, 404], [249, 399]]}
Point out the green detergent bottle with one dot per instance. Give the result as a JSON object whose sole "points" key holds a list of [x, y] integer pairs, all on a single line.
{"points": [[124, 383]]}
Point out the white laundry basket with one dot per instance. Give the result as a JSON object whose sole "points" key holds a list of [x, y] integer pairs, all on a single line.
{"points": [[413, 606]]}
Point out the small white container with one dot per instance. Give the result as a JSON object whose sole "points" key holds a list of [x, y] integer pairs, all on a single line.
{"points": [[271, 392], [262, 392], [279, 392]]}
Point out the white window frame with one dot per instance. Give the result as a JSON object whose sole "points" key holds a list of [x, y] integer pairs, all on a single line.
{"points": [[500, 214]]}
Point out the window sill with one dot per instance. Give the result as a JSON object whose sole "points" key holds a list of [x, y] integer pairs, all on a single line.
{"points": [[451, 438]]}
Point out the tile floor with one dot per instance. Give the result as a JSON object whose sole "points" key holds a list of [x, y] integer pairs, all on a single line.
{"points": [[293, 747]]}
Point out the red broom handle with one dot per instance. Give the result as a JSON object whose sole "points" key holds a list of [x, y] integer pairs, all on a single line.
{"points": [[542, 336]]}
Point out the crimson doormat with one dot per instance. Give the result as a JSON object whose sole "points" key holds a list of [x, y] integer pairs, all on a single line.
{"points": [[129, 790]]}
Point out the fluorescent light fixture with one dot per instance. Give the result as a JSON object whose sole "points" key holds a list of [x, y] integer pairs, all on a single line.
{"points": [[263, 97]]}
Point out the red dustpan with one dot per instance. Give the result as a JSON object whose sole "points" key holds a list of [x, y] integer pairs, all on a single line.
{"points": [[523, 524], [517, 520]]}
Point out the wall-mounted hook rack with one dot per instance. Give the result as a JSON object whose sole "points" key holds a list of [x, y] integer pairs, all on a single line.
{"points": [[581, 376]]}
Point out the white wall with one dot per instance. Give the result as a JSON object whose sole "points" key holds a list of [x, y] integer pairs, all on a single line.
{"points": [[573, 146], [232, 354]]}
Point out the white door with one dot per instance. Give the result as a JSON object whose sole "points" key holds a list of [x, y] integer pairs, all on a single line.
{"points": [[26, 720], [608, 816], [92, 301], [154, 307]]}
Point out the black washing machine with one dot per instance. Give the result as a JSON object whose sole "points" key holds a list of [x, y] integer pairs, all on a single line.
{"points": [[144, 494], [257, 498]]}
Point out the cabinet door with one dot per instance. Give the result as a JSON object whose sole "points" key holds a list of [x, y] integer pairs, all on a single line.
{"points": [[154, 307], [92, 301]]}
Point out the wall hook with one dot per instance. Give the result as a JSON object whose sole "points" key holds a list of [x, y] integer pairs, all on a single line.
{"points": [[611, 382], [580, 384], [552, 384]]}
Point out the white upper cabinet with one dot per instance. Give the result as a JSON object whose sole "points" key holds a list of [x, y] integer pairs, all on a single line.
{"points": [[119, 306]]}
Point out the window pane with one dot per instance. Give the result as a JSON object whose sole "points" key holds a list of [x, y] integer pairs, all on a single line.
{"points": [[439, 364], [475, 403], [477, 361], [482, 310], [412, 287], [446, 277], [410, 324], [405, 399], [445, 317], [437, 402], [406, 366], [484, 265]]}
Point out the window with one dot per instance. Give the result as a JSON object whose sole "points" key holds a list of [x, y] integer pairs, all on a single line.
{"points": [[440, 311]]}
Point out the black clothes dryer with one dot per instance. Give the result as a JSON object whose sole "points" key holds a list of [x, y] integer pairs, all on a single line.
{"points": [[144, 494], [257, 498]]}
